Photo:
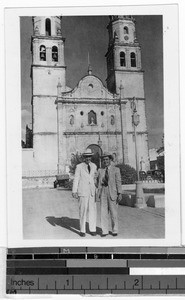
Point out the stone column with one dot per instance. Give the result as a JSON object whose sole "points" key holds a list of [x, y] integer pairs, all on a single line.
{"points": [[61, 53], [127, 58], [48, 55], [138, 58]]}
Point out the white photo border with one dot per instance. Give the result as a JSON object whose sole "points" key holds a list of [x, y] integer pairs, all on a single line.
{"points": [[171, 123]]}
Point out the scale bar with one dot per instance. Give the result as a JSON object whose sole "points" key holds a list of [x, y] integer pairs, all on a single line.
{"points": [[157, 271]]}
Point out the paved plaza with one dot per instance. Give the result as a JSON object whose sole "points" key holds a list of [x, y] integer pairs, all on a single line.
{"points": [[53, 214]]}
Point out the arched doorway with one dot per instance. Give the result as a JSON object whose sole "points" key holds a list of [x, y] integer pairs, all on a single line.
{"points": [[97, 151]]}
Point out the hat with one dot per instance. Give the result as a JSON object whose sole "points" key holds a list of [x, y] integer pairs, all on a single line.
{"points": [[107, 154], [88, 152]]}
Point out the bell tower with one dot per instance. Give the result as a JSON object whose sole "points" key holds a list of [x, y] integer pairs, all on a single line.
{"points": [[48, 69], [124, 57], [125, 77]]}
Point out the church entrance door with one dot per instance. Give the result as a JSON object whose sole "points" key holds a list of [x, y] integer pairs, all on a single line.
{"points": [[97, 151]]}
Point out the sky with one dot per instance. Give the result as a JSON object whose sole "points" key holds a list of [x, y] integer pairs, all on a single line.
{"points": [[89, 35]]}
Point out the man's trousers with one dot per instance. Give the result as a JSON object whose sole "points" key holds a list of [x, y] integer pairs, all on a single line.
{"points": [[107, 205], [87, 203]]}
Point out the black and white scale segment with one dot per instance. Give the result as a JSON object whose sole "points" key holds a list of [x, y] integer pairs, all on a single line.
{"points": [[92, 270]]}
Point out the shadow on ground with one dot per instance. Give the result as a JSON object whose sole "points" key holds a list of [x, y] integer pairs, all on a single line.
{"points": [[70, 224]]}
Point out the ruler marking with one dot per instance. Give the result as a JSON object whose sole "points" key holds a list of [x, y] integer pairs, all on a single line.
{"points": [[72, 282], [124, 284], [142, 282], [162, 280]]}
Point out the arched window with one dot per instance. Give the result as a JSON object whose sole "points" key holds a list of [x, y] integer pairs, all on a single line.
{"points": [[122, 59], [92, 118], [125, 30], [54, 53], [48, 26], [133, 59], [42, 53]]}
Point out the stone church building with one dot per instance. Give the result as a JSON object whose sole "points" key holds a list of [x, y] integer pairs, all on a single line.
{"points": [[66, 121]]}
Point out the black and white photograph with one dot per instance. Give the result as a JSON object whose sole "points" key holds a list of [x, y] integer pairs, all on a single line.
{"points": [[92, 99], [90, 106]]}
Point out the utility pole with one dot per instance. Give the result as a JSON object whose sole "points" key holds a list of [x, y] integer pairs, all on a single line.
{"points": [[121, 118], [140, 199]]}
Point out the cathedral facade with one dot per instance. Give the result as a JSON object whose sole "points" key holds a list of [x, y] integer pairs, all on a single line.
{"points": [[67, 121]]}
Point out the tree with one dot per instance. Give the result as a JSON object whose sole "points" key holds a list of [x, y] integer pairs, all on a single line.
{"points": [[75, 160], [128, 174]]}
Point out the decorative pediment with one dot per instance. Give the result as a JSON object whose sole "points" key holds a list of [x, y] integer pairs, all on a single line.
{"points": [[89, 87]]}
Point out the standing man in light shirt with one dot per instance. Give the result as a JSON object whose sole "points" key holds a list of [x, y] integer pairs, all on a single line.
{"points": [[110, 193], [84, 190]]}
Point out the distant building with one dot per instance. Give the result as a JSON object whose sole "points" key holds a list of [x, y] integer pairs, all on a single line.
{"points": [[153, 158], [156, 158]]}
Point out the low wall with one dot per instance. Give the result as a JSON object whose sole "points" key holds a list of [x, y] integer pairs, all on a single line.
{"points": [[45, 181], [146, 185], [38, 182]]}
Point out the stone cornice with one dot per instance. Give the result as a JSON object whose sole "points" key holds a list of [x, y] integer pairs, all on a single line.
{"points": [[46, 66], [89, 101], [68, 133], [45, 133], [45, 96], [118, 44], [132, 70], [48, 37], [95, 100], [92, 133], [138, 132]]}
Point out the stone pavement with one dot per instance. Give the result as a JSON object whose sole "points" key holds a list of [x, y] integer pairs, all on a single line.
{"points": [[53, 214]]}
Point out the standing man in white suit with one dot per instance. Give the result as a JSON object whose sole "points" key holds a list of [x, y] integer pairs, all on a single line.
{"points": [[84, 190]]}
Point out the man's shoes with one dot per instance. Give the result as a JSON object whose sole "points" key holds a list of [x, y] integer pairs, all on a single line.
{"points": [[103, 235], [114, 234], [82, 234], [93, 233]]}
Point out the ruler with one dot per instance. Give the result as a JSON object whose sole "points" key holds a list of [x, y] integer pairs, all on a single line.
{"points": [[82, 270]]}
